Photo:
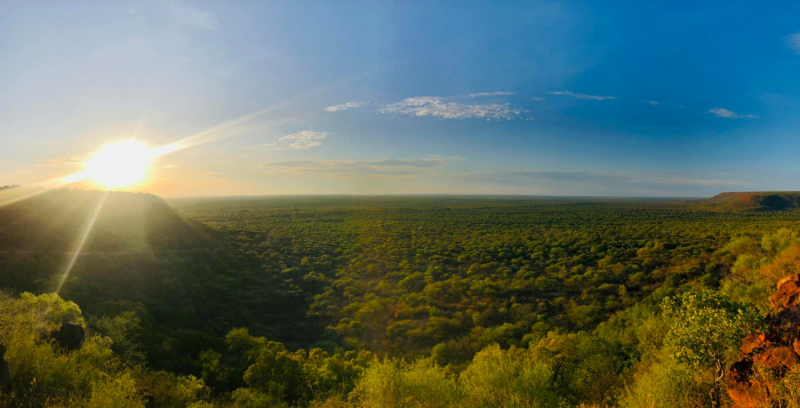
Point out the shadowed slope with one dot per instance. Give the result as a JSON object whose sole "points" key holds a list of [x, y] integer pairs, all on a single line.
{"points": [[116, 253], [127, 222]]}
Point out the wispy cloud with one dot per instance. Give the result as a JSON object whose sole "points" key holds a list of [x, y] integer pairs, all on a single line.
{"points": [[724, 113], [305, 139], [525, 177], [583, 96], [189, 15], [793, 42], [345, 106], [70, 161], [522, 176], [496, 93], [386, 167], [171, 166], [699, 182], [654, 103], [441, 108], [538, 98]]}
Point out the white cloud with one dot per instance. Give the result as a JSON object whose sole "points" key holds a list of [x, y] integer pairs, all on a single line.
{"points": [[583, 96], [345, 106], [439, 107], [654, 103], [305, 139], [383, 167], [724, 113], [538, 98], [496, 93], [793, 42]]}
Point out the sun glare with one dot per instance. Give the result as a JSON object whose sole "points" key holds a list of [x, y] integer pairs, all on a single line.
{"points": [[119, 165]]}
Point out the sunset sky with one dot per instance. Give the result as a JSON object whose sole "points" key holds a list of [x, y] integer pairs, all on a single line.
{"points": [[679, 98]]}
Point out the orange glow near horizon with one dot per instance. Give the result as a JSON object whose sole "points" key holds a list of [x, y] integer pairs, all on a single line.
{"points": [[127, 164]]}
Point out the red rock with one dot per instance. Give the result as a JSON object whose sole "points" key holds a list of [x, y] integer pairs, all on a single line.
{"points": [[789, 278], [743, 388], [753, 342], [788, 293], [777, 358], [775, 352]]}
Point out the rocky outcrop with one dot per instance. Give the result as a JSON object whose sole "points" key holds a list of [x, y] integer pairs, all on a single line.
{"points": [[788, 294], [744, 388], [70, 336], [765, 357]]}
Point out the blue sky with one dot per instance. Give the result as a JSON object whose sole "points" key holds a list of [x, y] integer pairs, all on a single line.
{"points": [[555, 98]]}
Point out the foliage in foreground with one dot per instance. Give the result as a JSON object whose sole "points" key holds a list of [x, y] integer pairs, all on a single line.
{"points": [[93, 376]]}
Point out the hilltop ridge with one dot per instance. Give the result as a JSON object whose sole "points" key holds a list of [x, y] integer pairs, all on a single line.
{"points": [[751, 201], [53, 221]]}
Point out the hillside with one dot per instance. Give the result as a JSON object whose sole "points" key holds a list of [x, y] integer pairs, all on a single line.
{"points": [[55, 221], [751, 201], [186, 286]]}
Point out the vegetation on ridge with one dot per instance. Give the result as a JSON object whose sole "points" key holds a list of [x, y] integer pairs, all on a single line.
{"points": [[751, 201]]}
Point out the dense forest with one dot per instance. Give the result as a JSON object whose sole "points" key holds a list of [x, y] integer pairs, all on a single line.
{"points": [[385, 301]]}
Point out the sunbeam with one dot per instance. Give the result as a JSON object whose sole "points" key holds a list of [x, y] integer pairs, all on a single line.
{"points": [[73, 256], [207, 136], [15, 195]]}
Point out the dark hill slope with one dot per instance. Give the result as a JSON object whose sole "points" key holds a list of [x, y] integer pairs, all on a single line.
{"points": [[187, 286], [56, 221], [751, 201]]}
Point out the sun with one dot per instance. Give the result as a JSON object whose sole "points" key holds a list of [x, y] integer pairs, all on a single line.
{"points": [[119, 165]]}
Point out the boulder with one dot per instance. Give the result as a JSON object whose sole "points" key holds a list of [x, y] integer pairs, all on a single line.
{"points": [[752, 343], [788, 293], [744, 388], [768, 355], [777, 358], [70, 336]]}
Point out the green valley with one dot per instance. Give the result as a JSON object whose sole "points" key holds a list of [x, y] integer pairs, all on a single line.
{"points": [[328, 300]]}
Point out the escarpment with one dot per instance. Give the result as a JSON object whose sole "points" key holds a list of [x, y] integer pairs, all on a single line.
{"points": [[766, 357]]}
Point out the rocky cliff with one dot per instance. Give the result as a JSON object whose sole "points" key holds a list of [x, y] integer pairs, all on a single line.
{"points": [[766, 357]]}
